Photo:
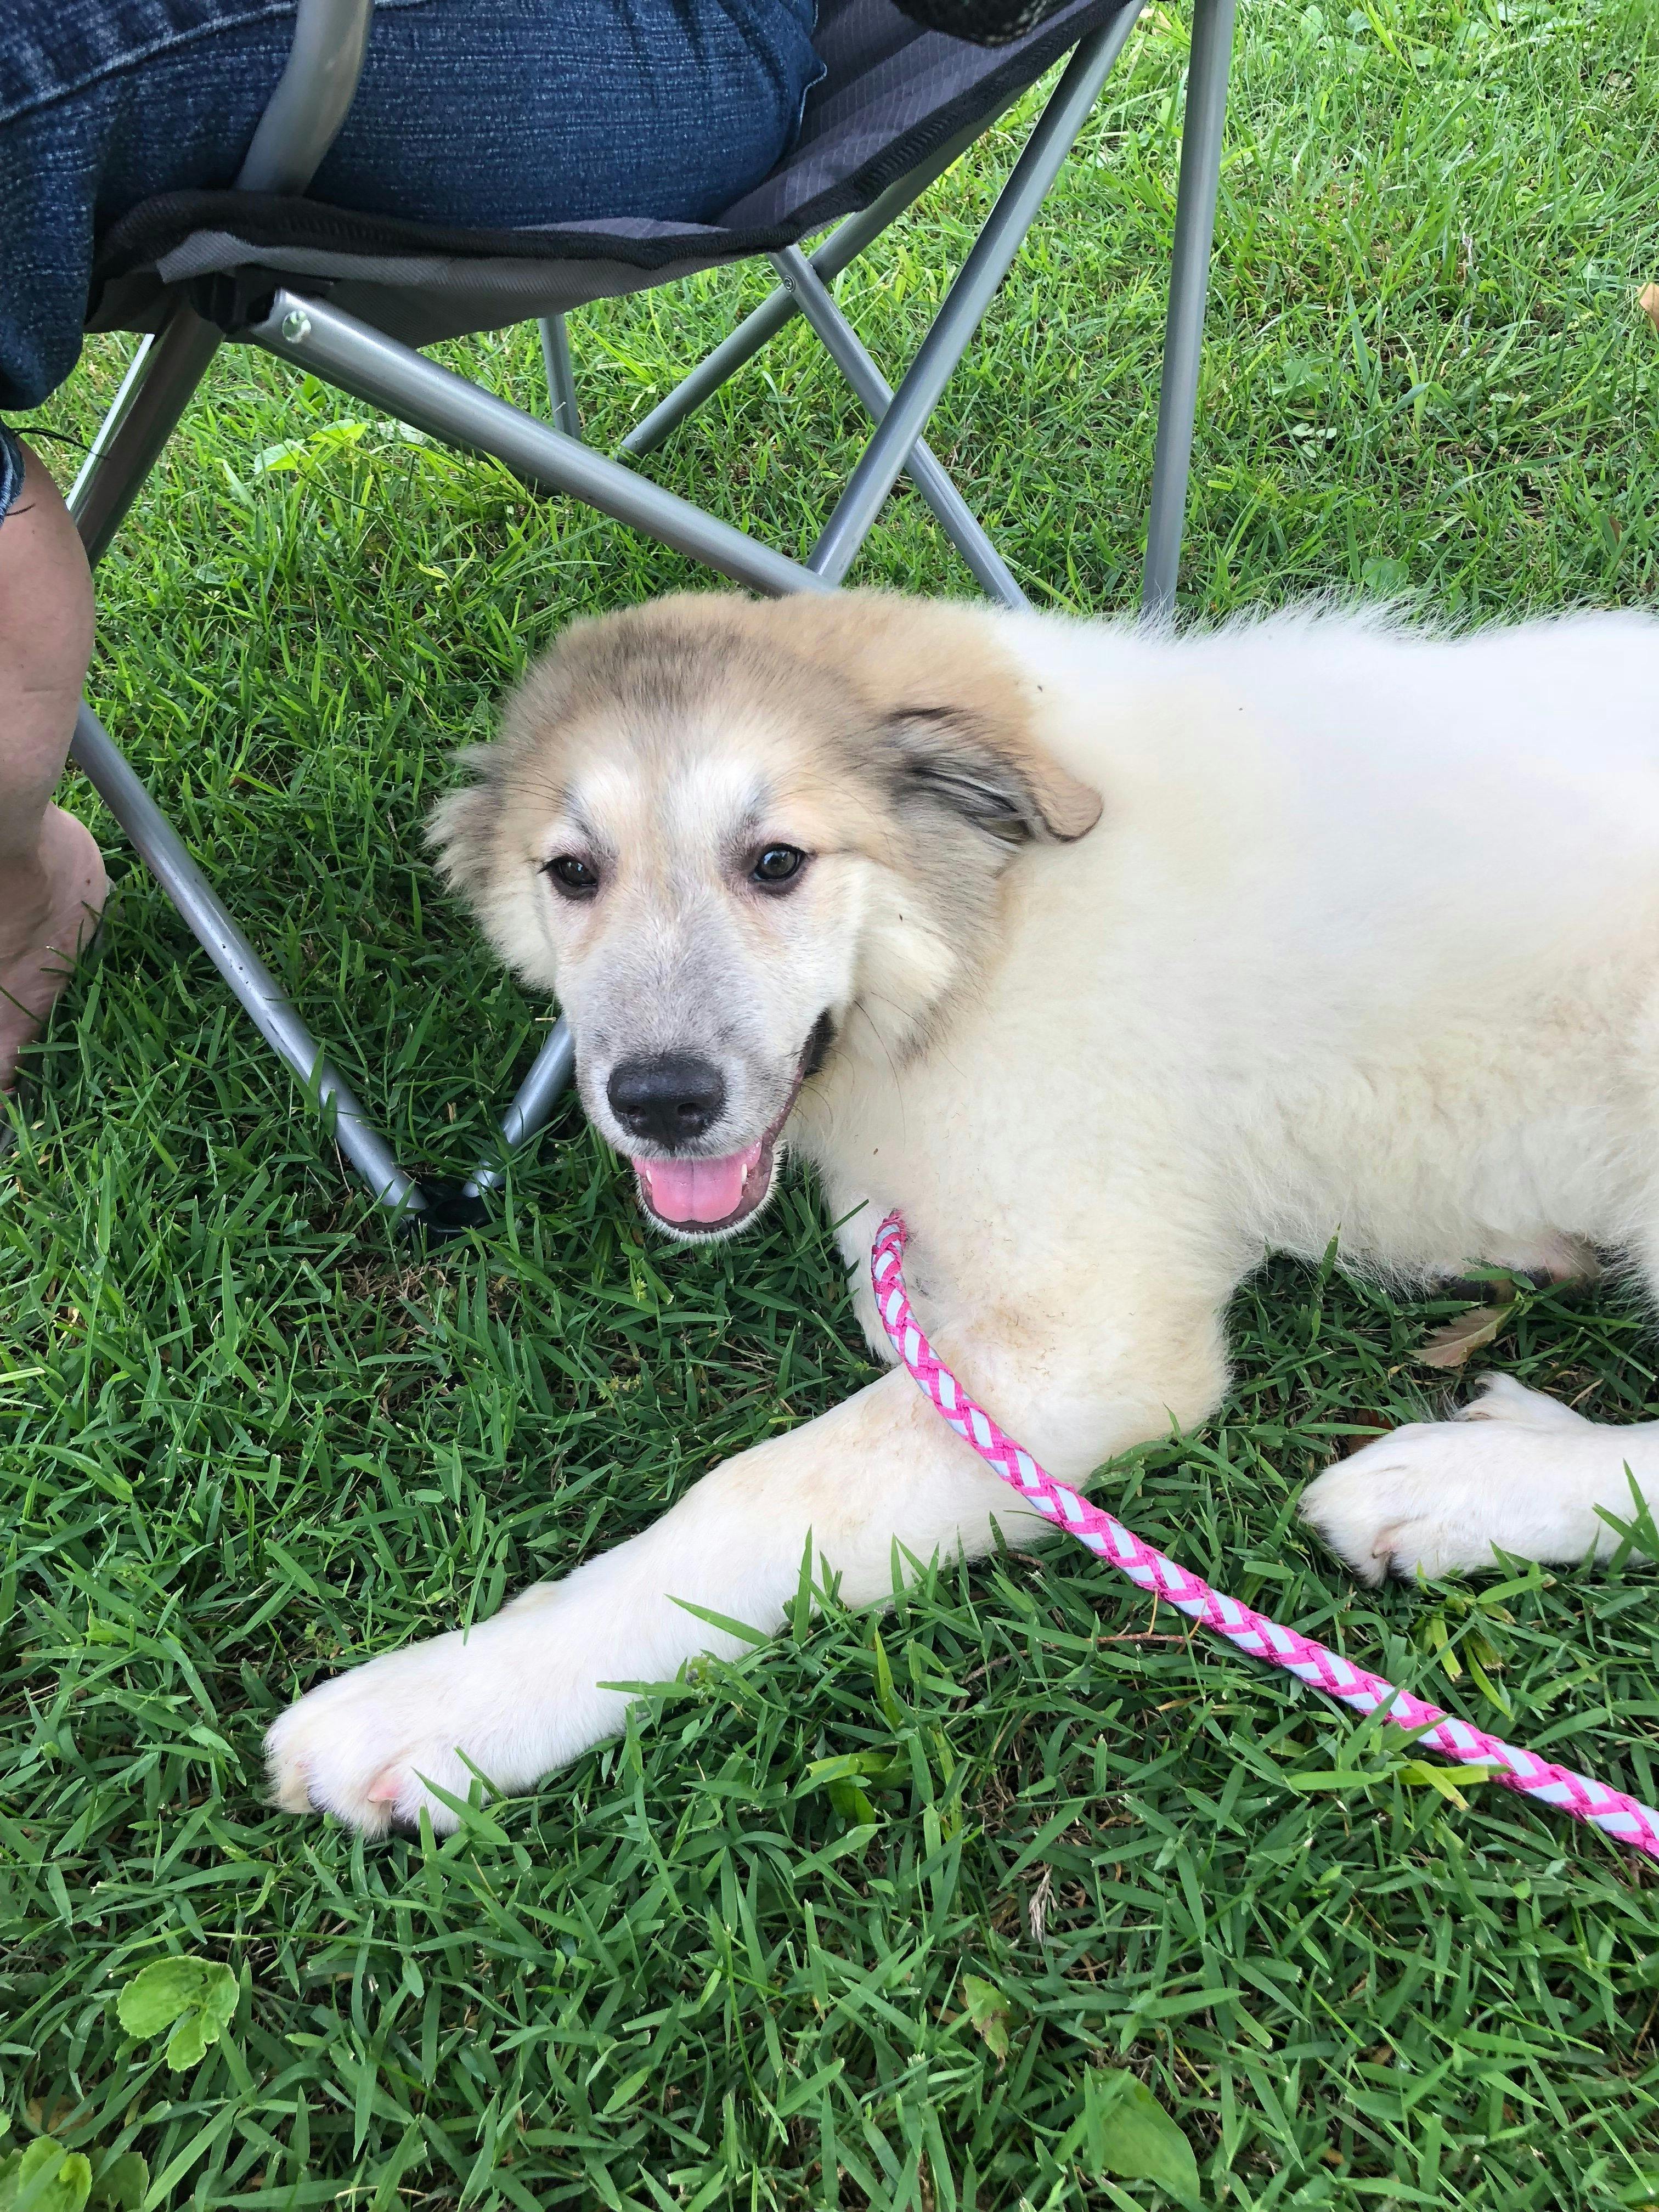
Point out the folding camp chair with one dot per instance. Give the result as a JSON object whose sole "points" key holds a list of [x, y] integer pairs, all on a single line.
{"points": [[348, 298]]}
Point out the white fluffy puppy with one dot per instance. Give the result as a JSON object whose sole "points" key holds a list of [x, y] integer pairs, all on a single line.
{"points": [[1116, 961]]}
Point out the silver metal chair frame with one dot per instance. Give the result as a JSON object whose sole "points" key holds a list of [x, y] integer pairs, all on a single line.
{"points": [[299, 125]]}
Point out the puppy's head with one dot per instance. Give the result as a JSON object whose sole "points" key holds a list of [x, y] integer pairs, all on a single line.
{"points": [[719, 831]]}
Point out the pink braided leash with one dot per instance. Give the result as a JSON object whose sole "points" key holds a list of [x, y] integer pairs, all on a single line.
{"points": [[1625, 1818]]}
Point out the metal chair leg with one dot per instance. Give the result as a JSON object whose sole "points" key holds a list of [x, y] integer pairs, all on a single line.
{"points": [[107, 429], [975, 285], [1189, 275], [255, 987], [153, 394], [561, 376], [840, 341], [532, 1106]]}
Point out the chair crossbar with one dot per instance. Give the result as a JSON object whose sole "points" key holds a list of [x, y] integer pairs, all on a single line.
{"points": [[839, 251], [357, 358], [842, 344]]}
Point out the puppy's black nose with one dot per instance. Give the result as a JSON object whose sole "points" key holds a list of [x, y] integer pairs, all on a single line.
{"points": [[668, 1099]]}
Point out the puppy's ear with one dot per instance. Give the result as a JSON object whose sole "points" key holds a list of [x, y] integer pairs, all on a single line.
{"points": [[1002, 784], [464, 829]]}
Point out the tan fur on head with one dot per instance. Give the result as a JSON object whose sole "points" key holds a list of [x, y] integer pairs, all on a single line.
{"points": [[891, 740], [920, 663], [893, 685]]}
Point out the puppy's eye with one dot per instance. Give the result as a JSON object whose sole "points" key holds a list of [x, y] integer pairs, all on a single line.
{"points": [[775, 865], [574, 877]]}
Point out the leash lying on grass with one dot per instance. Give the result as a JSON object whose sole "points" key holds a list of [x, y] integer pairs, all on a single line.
{"points": [[1625, 1818]]}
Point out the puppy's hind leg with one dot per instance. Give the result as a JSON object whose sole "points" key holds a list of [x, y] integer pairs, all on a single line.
{"points": [[1516, 1471]]}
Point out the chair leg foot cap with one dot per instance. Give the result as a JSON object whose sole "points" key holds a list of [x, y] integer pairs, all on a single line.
{"points": [[447, 1213]]}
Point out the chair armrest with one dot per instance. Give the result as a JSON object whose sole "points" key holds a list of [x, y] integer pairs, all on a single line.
{"points": [[303, 116]]}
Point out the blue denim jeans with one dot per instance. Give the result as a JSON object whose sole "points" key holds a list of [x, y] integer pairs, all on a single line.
{"points": [[492, 114]]}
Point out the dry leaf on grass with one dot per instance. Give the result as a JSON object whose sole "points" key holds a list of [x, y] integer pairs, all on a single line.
{"points": [[1452, 1345], [990, 2013], [1037, 1905], [1648, 301]]}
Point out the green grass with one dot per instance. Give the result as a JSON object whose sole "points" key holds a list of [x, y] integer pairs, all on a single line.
{"points": [[251, 1436]]}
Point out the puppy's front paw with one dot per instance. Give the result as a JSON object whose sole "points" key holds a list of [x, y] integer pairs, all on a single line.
{"points": [[366, 1745], [1517, 1472], [514, 1699]]}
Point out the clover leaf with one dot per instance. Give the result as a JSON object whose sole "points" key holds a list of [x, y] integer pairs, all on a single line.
{"points": [[195, 1997]]}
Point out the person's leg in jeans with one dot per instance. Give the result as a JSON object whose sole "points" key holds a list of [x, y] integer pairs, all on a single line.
{"points": [[51, 879]]}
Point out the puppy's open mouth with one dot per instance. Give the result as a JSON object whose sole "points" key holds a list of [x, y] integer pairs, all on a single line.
{"points": [[709, 1193], [706, 1196]]}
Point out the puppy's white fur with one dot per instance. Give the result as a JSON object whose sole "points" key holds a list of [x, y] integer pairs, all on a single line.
{"points": [[1365, 944]]}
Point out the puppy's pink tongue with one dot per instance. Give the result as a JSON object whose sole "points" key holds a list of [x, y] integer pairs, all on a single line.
{"points": [[696, 1190]]}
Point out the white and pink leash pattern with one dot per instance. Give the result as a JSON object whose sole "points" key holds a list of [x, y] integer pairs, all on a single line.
{"points": [[1625, 1818]]}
